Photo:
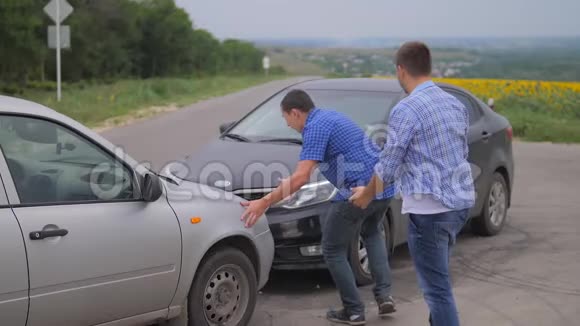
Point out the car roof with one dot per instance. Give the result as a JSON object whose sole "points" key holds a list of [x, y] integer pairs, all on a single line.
{"points": [[360, 84], [353, 84], [17, 105]]}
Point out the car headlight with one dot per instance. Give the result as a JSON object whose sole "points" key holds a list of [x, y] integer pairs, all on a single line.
{"points": [[310, 194]]}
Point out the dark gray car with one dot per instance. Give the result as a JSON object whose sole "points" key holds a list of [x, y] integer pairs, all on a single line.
{"points": [[254, 153]]}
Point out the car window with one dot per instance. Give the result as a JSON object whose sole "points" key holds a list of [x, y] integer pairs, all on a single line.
{"points": [[365, 108], [51, 164], [474, 113]]}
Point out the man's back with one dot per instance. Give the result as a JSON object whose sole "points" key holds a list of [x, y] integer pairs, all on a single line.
{"points": [[435, 162], [346, 154], [443, 123]]}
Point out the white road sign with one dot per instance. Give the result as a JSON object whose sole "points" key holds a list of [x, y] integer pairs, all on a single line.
{"points": [[64, 37], [64, 10], [266, 62]]}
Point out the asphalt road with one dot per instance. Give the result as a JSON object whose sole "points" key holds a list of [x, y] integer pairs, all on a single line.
{"points": [[174, 135], [527, 275]]}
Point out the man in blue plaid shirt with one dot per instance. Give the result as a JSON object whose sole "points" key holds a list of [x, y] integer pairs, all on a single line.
{"points": [[426, 154], [346, 157]]}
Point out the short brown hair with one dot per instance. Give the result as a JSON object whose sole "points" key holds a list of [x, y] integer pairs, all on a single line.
{"points": [[297, 99], [415, 57]]}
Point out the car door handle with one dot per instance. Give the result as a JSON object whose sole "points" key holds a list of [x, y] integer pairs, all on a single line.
{"points": [[485, 135], [39, 235]]}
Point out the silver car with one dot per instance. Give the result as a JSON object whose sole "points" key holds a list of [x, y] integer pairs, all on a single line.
{"points": [[88, 236]]}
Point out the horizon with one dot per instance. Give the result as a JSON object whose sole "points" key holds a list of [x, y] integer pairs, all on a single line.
{"points": [[422, 19]]}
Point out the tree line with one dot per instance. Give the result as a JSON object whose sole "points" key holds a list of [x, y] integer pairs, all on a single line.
{"points": [[113, 39]]}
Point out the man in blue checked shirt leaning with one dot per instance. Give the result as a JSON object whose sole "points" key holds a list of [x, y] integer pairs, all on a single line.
{"points": [[346, 157], [426, 155]]}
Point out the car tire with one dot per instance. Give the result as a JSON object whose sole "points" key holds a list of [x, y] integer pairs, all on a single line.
{"points": [[358, 258], [495, 207], [224, 290]]}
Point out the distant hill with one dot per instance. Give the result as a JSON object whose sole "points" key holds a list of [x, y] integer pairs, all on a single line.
{"points": [[530, 60], [462, 43]]}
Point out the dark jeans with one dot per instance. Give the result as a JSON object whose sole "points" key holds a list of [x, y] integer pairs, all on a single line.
{"points": [[430, 240], [339, 230]]}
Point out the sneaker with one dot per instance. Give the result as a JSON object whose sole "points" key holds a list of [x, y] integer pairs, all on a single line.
{"points": [[386, 306], [342, 317]]}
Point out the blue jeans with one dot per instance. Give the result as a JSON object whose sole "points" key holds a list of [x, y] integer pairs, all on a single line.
{"points": [[430, 240], [339, 229]]}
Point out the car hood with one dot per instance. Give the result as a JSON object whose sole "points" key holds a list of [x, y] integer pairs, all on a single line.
{"points": [[233, 165]]}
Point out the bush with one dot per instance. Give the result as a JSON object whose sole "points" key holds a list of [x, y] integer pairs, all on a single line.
{"points": [[278, 70], [42, 85], [10, 89]]}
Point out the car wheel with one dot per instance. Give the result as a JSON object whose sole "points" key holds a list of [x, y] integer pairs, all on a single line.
{"points": [[358, 256], [494, 210], [224, 290]]}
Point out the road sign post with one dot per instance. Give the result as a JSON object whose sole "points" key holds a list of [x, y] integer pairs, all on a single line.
{"points": [[58, 11], [266, 64], [58, 74]]}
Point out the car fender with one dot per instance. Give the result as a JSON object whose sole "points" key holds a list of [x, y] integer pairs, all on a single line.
{"points": [[499, 159], [207, 216]]}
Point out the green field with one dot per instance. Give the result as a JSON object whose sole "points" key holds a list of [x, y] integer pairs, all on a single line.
{"points": [[533, 121], [293, 65], [92, 105]]}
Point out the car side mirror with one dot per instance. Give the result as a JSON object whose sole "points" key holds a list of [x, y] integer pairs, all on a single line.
{"points": [[491, 103], [67, 146], [152, 188], [225, 126]]}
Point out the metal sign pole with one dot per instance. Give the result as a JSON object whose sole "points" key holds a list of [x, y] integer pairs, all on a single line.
{"points": [[58, 91], [58, 10], [266, 64]]}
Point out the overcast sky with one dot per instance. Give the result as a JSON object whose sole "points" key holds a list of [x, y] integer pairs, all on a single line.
{"points": [[384, 18]]}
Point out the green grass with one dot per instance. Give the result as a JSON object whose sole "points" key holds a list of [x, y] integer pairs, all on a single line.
{"points": [[93, 104], [295, 66], [535, 121]]}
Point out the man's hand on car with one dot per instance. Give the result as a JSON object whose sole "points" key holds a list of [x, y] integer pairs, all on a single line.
{"points": [[254, 210], [361, 197]]}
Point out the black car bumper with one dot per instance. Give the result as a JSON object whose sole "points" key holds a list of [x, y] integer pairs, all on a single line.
{"points": [[297, 237]]}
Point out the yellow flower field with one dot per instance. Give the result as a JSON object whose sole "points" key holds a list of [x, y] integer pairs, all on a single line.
{"points": [[559, 94], [537, 110]]}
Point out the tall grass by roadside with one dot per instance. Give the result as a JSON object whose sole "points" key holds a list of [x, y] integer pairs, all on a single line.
{"points": [[92, 104]]}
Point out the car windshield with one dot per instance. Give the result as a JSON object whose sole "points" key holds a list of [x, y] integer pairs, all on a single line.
{"points": [[364, 107]]}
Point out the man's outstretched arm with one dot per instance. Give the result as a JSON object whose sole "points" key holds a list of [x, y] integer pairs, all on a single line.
{"points": [[256, 208]]}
